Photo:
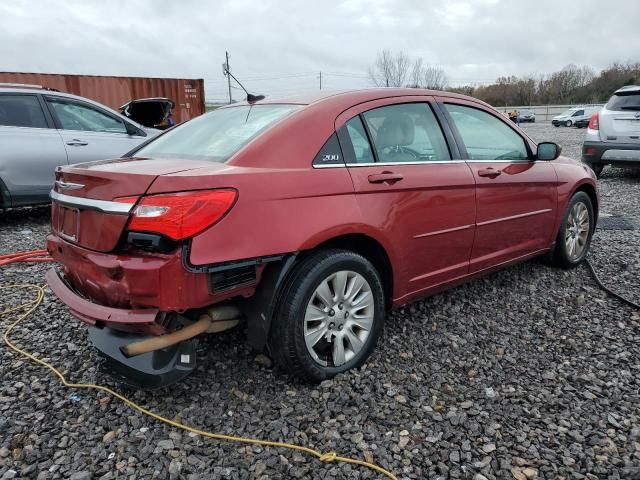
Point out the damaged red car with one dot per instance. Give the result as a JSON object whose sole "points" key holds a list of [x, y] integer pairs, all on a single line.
{"points": [[308, 218]]}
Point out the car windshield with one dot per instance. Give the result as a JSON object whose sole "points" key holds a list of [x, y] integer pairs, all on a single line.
{"points": [[629, 101], [217, 135]]}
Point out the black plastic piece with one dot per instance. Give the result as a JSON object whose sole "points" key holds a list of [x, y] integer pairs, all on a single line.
{"points": [[150, 242], [147, 371], [260, 307], [233, 277], [219, 267]]}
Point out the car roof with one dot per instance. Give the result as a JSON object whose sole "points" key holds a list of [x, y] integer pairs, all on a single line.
{"points": [[628, 88], [348, 98]]}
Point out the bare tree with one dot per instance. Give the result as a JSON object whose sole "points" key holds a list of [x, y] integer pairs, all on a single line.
{"points": [[434, 78], [390, 70]]}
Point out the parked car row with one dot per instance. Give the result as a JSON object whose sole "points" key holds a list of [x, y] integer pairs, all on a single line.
{"points": [[42, 128]]}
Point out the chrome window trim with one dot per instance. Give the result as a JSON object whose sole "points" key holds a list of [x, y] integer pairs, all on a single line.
{"points": [[501, 161], [430, 162], [91, 204], [391, 164]]}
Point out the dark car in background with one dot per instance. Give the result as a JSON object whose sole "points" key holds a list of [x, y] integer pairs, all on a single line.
{"points": [[526, 116]]}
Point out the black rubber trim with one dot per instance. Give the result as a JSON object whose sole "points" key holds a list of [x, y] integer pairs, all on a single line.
{"points": [[219, 267], [260, 307]]}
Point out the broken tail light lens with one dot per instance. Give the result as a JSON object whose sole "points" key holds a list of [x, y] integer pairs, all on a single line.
{"points": [[180, 215]]}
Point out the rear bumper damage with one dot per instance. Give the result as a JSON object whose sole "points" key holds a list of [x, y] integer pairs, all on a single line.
{"points": [[92, 313]]}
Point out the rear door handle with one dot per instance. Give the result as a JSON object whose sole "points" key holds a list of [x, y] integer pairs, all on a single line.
{"points": [[385, 177], [489, 172], [77, 143]]}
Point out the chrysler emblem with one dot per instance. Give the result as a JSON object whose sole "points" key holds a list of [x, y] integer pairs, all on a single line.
{"points": [[68, 186]]}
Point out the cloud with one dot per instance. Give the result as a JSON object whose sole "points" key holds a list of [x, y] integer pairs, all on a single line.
{"points": [[279, 47]]}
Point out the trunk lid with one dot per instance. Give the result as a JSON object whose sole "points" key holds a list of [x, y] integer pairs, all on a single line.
{"points": [[150, 112], [85, 208]]}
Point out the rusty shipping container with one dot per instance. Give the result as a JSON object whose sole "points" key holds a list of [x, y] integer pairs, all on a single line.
{"points": [[187, 94]]}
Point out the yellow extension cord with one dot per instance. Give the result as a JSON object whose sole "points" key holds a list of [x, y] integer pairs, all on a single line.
{"points": [[33, 305]]}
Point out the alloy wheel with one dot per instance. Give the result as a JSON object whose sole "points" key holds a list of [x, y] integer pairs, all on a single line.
{"points": [[339, 318], [577, 230]]}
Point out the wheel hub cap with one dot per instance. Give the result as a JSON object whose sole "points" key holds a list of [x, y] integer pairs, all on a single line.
{"points": [[338, 318], [577, 230]]}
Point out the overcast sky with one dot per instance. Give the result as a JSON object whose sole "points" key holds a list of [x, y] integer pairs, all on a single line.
{"points": [[278, 47]]}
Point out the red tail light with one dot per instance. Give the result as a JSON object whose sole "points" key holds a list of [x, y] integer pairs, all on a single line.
{"points": [[180, 215], [594, 122]]}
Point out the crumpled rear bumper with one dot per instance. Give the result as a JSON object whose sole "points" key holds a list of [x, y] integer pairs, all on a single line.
{"points": [[140, 320]]}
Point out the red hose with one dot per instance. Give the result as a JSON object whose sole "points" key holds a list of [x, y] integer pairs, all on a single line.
{"points": [[33, 256]]}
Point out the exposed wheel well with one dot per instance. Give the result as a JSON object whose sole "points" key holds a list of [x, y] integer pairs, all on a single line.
{"points": [[373, 251]]}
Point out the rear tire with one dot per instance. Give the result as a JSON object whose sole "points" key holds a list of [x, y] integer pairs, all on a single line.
{"points": [[574, 237], [329, 317], [568, 123]]}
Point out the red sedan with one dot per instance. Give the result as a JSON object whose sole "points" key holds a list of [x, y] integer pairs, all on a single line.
{"points": [[308, 218]]}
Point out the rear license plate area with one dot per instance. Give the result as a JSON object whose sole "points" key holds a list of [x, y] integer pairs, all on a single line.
{"points": [[68, 223]]}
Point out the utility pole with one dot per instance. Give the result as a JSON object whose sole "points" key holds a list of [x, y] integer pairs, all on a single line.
{"points": [[228, 76], [320, 80]]}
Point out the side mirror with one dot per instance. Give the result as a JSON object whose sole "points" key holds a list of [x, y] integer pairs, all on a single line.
{"points": [[548, 151]]}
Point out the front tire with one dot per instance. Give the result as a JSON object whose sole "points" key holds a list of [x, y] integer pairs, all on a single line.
{"points": [[574, 237], [330, 315]]}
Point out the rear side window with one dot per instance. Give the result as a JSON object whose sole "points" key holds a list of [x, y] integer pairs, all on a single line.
{"points": [[217, 135], [486, 137], [21, 111], [77, 116], [406, 133], [625, 101]]}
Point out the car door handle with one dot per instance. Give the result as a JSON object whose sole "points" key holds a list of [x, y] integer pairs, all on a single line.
{"points": [[489, 172], [385, 177], [77, 143]]}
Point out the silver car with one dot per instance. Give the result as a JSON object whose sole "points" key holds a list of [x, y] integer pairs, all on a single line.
{"points": [[613, 136], [41, 129]]}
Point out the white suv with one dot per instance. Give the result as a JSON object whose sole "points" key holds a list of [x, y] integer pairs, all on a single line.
{"points": [[613, 136]]}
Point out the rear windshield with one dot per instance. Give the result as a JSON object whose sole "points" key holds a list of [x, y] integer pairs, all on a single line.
{"points": [[625, 101], [217, 135]]}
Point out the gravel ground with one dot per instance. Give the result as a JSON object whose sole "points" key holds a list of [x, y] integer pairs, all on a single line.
{"points": [[531, 372]]}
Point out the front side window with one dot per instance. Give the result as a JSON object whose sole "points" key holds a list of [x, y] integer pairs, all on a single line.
{"points": [[217, 135], [486, 137], [21, 111], [406, 133], [579, 113], [77, 116]]}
